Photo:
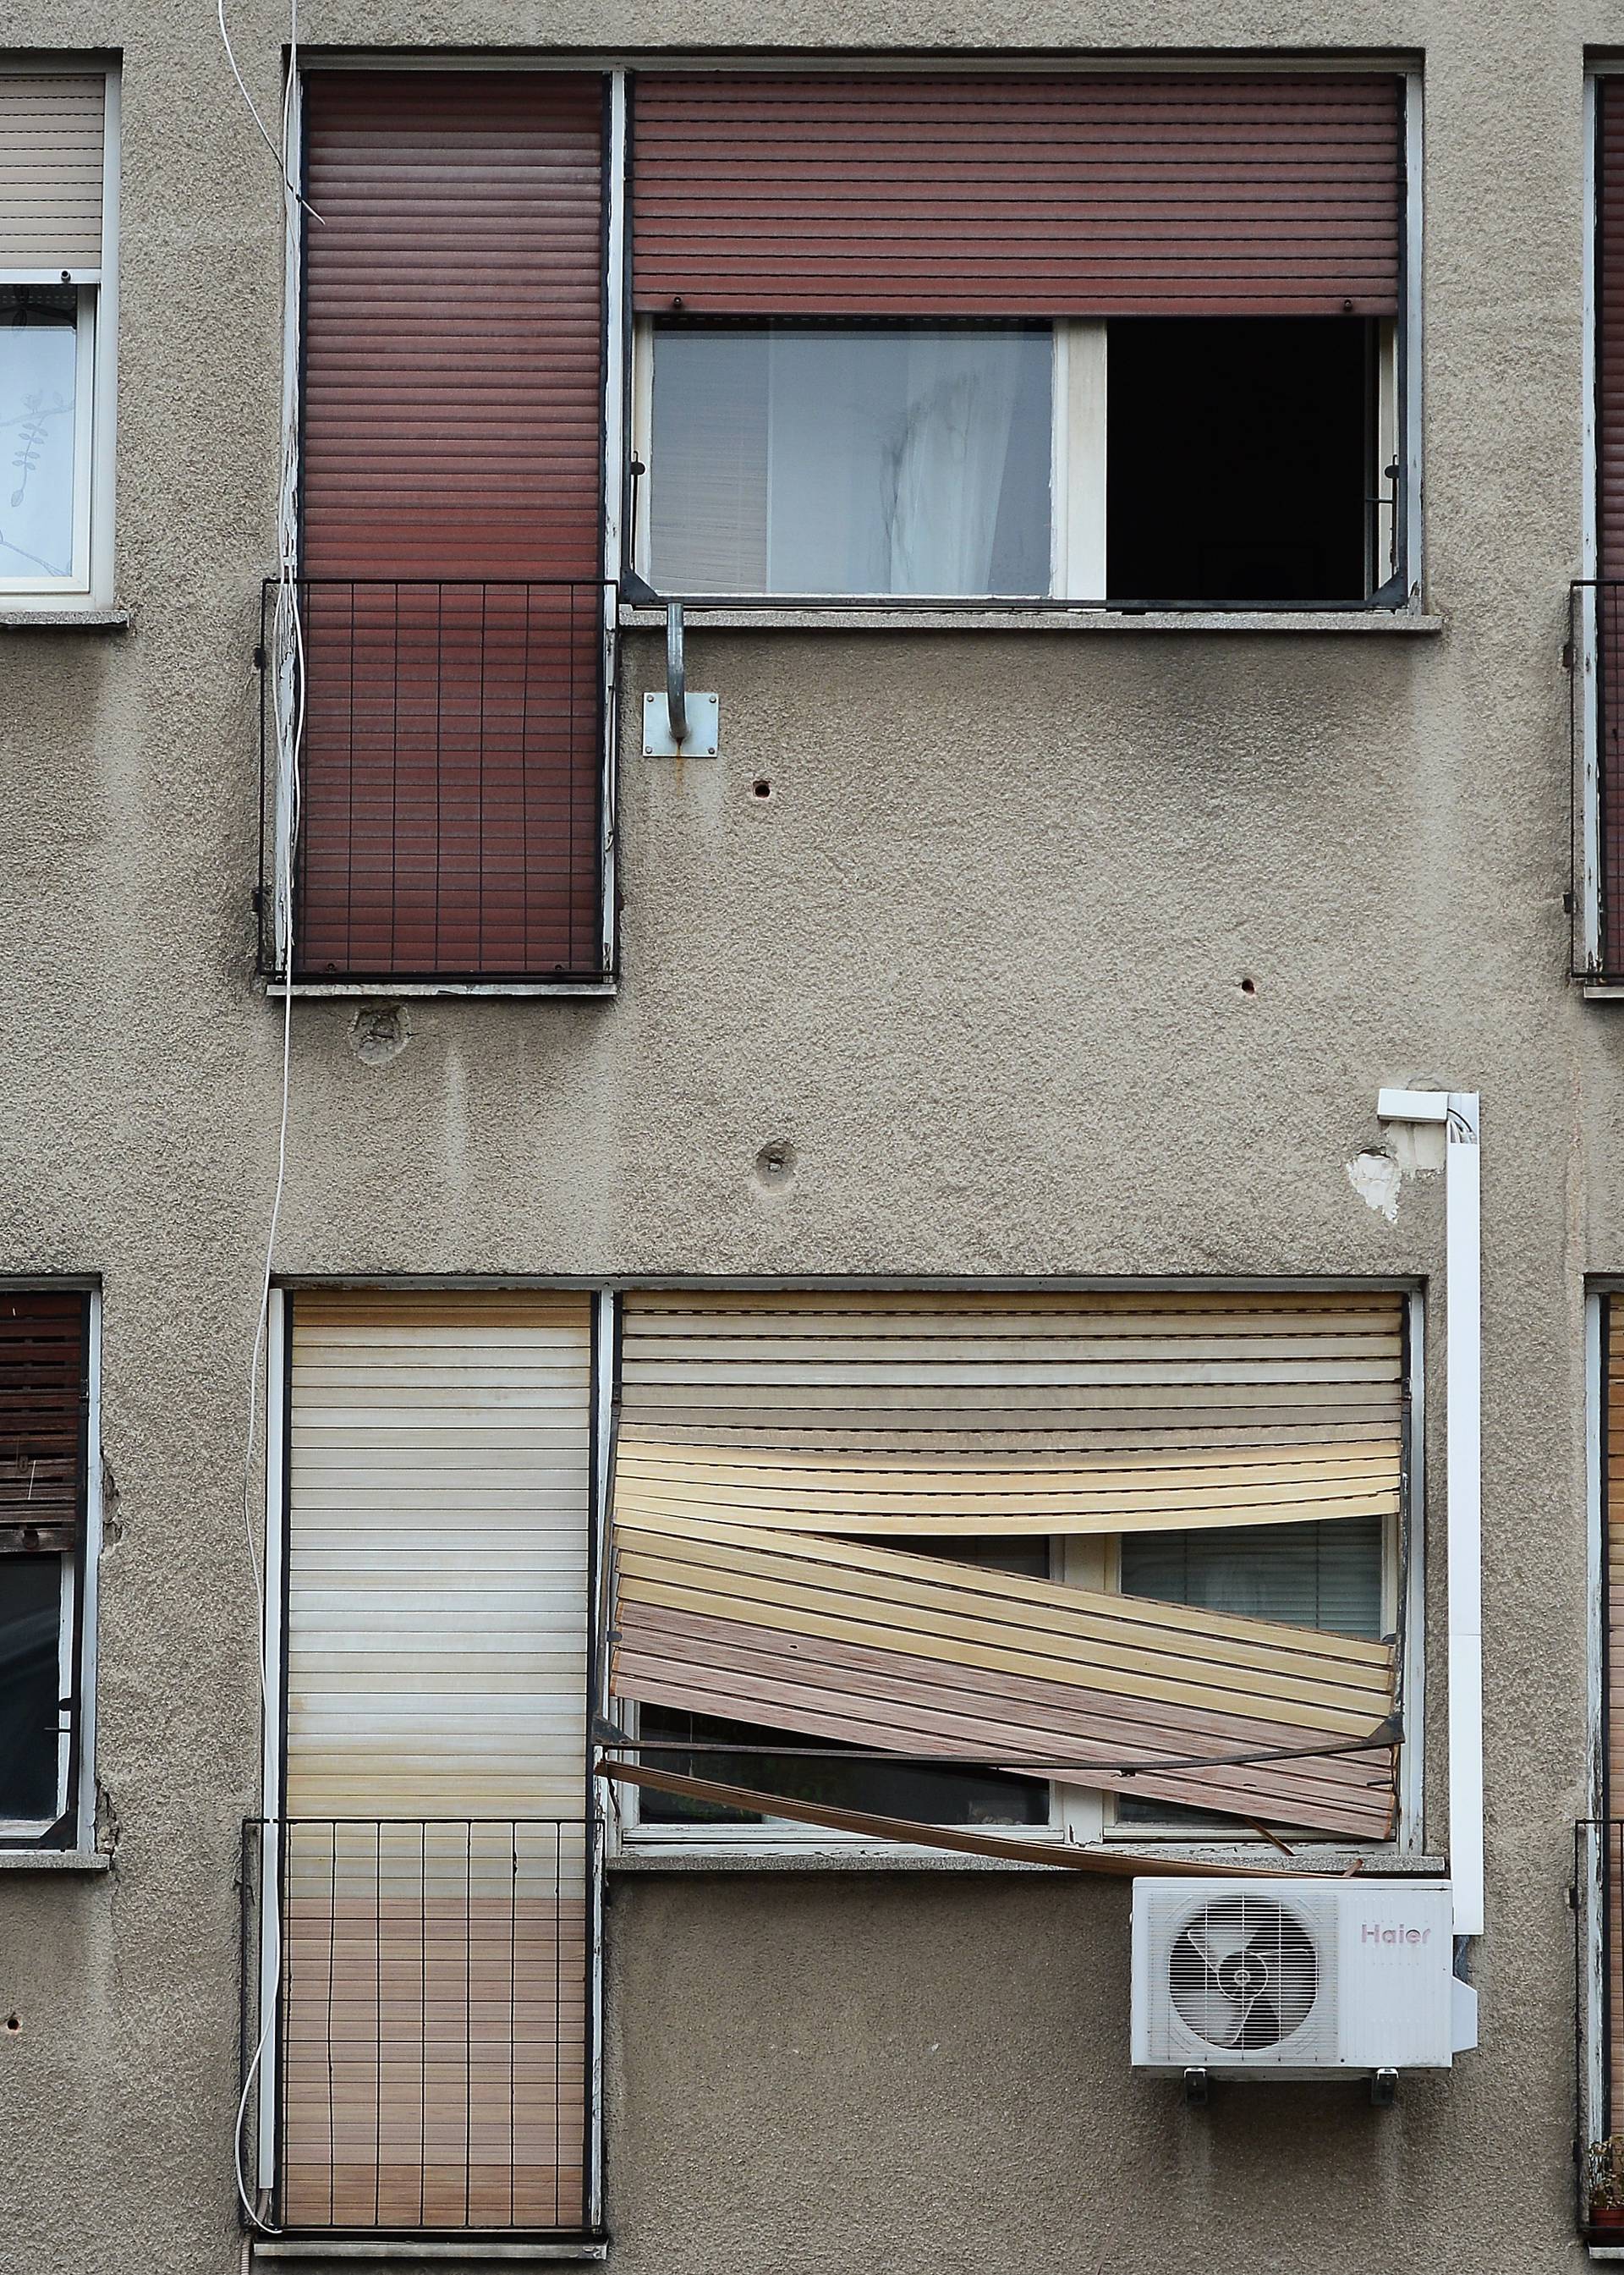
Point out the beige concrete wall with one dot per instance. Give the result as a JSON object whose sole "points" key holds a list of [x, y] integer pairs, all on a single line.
{"points": [[978, 960]]}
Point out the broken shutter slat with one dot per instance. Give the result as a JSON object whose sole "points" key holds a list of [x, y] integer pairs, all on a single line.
{"points": [[44, 1405], [1058, 193]]}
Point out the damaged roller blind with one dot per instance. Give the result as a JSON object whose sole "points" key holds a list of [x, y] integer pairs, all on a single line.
{"points": [[776, 1451], [44, 1409]]}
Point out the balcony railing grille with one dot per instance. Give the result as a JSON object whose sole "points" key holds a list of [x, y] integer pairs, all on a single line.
{"points": [[430, 2050], [450, 780]]}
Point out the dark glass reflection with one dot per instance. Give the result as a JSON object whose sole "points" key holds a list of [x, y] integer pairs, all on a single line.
{"points": [[30, 1613]]}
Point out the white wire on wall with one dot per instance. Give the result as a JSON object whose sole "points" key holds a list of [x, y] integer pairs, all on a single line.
{"points": [[286, 665]]}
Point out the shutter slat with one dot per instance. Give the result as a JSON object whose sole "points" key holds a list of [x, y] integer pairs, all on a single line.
{"points": [[903, 194], [44, 1403]]}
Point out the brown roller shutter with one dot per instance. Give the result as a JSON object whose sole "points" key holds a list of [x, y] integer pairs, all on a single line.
{"points": [[451, 484], [1610, 500], [45, 1399], [910, 195]]}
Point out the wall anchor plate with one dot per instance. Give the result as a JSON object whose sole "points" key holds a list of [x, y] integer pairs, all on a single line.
{"points": [[703, 728]]}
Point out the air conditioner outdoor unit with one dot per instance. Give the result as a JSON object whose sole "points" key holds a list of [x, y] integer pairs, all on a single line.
{"points": [[1291, 1977]]}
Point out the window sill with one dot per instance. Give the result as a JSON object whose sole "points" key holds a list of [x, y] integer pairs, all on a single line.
{"points": [[701, 615], [400, 991], [712, 1856], [68, 619], [440, 2251], [87, 1861]]}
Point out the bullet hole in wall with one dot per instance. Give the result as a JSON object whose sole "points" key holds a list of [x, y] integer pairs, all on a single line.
{"points": [[1249, 986], [761, 787], [776, 1164], [13, 2022]]}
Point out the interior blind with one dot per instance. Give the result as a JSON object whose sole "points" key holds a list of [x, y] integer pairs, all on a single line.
{"points": [[452, 464], [44, 1407], [436, 1866], [1039, 194], [1610, 499], [51, 130], [759, 1431]]}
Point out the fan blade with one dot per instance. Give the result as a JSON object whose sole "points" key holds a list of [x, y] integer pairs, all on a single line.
{"points": [[1262, 2026], [1218, 1943], [1293, 1982]]}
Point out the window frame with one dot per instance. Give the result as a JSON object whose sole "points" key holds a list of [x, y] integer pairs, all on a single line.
{"points": [[72, 1827], [1079, 1816], [1078, 464], [90, 583]]}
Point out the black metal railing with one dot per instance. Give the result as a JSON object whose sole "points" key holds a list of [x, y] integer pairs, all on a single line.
{"points": [[1598, 1898], [417, 2026], [439, 750], [1595, 655]]}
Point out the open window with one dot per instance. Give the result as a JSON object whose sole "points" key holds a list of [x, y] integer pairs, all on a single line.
{"points": [[44, 1563], [55, 364], [1135, 340], [1037, 1559]]}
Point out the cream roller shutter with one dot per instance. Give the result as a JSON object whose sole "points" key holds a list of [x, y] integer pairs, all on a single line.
{"points": [[437, 1540], [51, 130]]}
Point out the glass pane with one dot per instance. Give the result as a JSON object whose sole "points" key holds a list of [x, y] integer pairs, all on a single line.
{"points": [[30, 1616], [921, 1793], [39, 352], [1310, 1575], [886, 460]]}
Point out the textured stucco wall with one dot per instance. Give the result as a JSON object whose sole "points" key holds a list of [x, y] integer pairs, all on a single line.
{"points": [[978, 960]]}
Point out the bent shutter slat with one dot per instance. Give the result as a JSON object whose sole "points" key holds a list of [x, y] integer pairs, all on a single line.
{"points": [[1037, 194], [438, 1515], [51, 134], [452, 418], [44, 1403], [758, 1431]]}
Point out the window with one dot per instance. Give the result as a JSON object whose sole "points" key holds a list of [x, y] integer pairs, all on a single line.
{"points": [[56, 377], [946, 1534], [1133, 339], [45, 1561]]}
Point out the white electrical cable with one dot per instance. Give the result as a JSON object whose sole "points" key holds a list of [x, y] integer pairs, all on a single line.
{"points": [[286, 664]]}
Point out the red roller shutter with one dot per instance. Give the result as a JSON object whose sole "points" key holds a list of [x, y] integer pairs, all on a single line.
{"points": [[911, 195], [1610, 500], [450, 492], [45, 1399]]}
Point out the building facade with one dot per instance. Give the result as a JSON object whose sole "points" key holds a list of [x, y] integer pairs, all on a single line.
{"points": [[708, 1311]]}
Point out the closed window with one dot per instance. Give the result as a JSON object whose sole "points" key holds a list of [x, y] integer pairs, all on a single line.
{"points": [[45, 1643], [56, 379], [1130, 339]]}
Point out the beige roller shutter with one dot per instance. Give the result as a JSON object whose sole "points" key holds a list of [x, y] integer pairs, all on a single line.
{"points": [[434, 1969], [51, 130], [759, 1431]]}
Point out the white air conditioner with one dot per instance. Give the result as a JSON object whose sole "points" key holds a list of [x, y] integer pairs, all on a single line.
{"points": [[1287, 1977]]}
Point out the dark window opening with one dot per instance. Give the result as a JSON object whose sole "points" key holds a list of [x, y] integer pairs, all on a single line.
{"points": [[30, 1614], [1240, 462]]}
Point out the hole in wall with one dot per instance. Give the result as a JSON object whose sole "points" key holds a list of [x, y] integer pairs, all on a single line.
{"points": [[776, 1164], [1249, 986], [761, 787], [13, 2022]]}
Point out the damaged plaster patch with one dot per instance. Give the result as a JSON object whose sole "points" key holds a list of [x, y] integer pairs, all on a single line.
{"points": [[1413, 1150], [380, 1033], [1375, 1178]]}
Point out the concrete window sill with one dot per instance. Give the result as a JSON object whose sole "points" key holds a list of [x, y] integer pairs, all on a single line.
{"points": [[446, 2252], [415, 991], [53, 1860], [715, 1857], [700, 616], [64, 620]]}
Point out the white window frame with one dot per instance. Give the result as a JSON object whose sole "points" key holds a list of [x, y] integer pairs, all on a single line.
{"points": [[90, 582], [1079, 1816], [76, 1636]]}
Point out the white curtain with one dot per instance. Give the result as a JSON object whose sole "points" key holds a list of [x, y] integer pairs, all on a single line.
{"points": [[950, 457]]}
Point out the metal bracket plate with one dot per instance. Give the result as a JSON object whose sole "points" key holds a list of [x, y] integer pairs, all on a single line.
{"points": [[704, 735]]}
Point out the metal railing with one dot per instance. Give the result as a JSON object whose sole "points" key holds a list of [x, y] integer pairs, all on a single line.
{"points": [[417, 2026], [1595, 656], [449, 783]]}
